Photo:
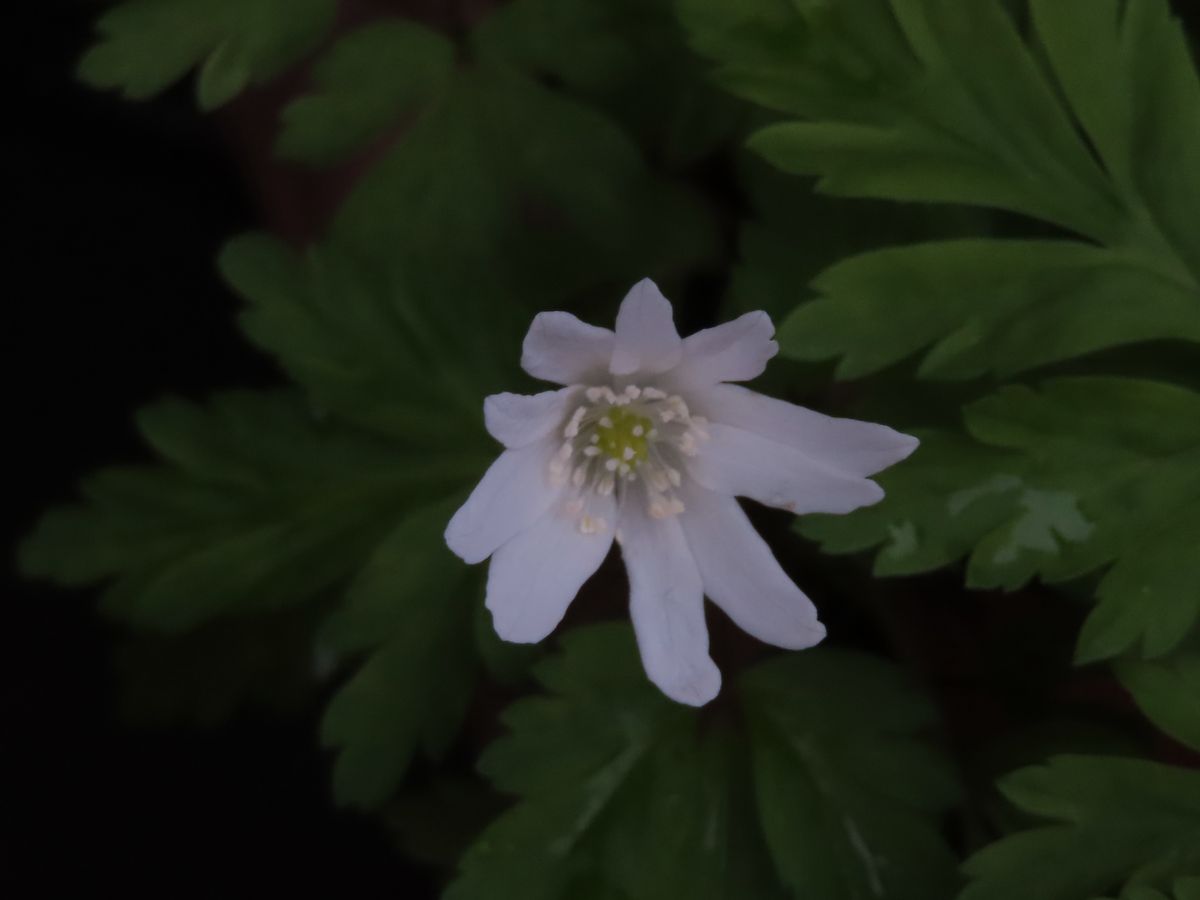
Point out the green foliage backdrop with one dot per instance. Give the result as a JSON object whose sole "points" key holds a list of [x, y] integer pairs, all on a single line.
{"points": [[982, 215]]}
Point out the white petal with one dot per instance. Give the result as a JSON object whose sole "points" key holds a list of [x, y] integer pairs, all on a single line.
{"points": [[517, 420], [666, 603], [848, 445], [741, 576], [512, 495], [733, 461], [735, 351], [534, 577], [562, 349], [646, 337]]}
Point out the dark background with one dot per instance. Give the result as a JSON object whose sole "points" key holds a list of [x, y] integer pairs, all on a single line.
{"points": [[117, 210]]}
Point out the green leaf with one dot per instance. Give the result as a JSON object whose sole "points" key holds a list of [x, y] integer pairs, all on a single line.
{"points": [[146, 46], [1168, 693], [411, 607], [623, 791], [986, 306], [370, 81], [849, 802], [627, 57], [506, 198], [364, 346], [943, 102], [904, 100], [1112, 822], [1132, 84], [256, 504], [1084, 474], [939, 505], [567, 756], [780, 252]]}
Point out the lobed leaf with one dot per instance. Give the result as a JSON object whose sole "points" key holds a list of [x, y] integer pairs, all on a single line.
{"points": [[370, 81], [366, 347], [1056, 483], [1077, 127], [255, 504], [624, 791], [1113, 822], [146, 46]]}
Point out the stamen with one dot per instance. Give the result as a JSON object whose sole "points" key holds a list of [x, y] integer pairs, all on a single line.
{"points": [[617, 436], [572, 429]]}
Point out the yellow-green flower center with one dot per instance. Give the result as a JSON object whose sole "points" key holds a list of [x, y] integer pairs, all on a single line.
{"points": [[623, 436]]}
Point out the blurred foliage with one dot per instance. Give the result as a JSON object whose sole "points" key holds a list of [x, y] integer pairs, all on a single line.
{"points": [[1168, 693], [629, 57], [1183, 889], [146, 46], [368, 81], [994, 205]]}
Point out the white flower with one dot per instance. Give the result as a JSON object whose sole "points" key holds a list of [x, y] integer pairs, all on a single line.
{"points": [[647, 443]]}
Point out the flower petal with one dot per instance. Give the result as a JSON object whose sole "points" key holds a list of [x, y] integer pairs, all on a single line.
{"points": [[534, 577], [512, 495], [733, 461], [735, 351], [666, 603], [847, 445], [741, 575], [562, 349], [646, 337], [517, 420]]}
